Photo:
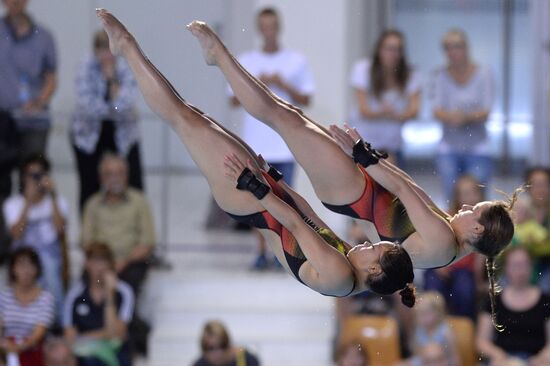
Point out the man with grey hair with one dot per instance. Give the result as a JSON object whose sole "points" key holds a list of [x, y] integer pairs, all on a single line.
{"points": [[57, 352], [120, 217]]}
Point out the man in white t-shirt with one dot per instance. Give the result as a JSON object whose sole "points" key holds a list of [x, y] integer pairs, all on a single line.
{"points": [[288, 75], [36, 218]]}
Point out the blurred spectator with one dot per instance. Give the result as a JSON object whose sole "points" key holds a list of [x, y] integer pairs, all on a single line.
{"points": [[387, 94], [36, 218], [97, 312], [458, 281], [351, 354], [27, 76], [57, 352], [26, 311], [435, 354], [105, 118], [522, 311], [431, 327], [120, 217], [533, 222], [287, 74], [462, 101], [217, 349]]}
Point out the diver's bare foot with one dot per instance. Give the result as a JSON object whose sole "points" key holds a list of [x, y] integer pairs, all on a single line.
{"points": [[210, 43], [119, 37]]}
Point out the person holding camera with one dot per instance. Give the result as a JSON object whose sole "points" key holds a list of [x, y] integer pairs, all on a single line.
{"points": [[36, 218]]}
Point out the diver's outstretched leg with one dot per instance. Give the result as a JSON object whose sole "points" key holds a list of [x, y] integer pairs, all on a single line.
{"points": [[333, 174], [206, 141]]}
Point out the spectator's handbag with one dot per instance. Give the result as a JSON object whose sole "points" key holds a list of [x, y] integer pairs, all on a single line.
{"points": [[30, 357]]}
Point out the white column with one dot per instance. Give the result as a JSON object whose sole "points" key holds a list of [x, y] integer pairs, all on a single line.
{"points": [[540, 15]]}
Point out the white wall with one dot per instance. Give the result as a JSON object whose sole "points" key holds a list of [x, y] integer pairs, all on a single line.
{"points": [[540, 17]]}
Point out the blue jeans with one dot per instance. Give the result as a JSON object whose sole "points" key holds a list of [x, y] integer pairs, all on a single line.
{"points": [[459, 290], [452, 166], [287, 168]]}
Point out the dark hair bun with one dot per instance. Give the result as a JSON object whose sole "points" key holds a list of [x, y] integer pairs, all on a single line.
{"points": [[408, 296]]}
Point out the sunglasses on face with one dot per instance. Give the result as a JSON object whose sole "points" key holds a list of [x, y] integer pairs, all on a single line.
{"points": [[214, 348], [453, 46]]}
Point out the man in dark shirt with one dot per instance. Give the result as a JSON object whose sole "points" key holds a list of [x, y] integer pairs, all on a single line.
{"points": [[27, 75]]}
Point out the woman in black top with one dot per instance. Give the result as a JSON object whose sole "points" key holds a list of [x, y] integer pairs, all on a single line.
{"points": [[522, 311], [217, 349]]}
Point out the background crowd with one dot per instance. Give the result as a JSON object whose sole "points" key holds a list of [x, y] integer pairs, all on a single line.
{"points": [[49, 318]]}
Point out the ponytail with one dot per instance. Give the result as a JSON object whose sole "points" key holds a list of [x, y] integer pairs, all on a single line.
{"points": [[493, 290], [408, 295]]}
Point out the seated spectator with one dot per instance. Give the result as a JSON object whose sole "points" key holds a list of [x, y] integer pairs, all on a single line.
{"points": [[351, 354], [97, 312], [105, 118], [26, 311], [431, 327], [120, 217], [458, 281], [36, 218], [57, 352], [217, 349], [434, 354], [533, 222], [523, 312]]}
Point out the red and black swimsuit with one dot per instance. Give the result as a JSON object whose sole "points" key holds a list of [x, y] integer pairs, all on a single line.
{"points": [[383, 209], [380, 207], [291, 248]]}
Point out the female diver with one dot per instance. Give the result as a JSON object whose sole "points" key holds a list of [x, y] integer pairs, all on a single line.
{"points": [[305, 246], [367, 187]]}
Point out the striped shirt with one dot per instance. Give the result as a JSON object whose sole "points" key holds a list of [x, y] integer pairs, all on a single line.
{"points": [[81, 312], [18, 320]]}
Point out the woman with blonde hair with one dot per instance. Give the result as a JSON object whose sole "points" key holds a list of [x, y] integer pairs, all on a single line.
{"points": [[217, 348], [431, 327], [462, 101]]}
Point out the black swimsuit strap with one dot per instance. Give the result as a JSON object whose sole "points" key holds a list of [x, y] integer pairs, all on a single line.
{"points": [[450, 262]]}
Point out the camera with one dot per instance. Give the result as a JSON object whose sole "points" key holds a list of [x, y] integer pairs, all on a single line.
{"points": [[37, 177]]}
